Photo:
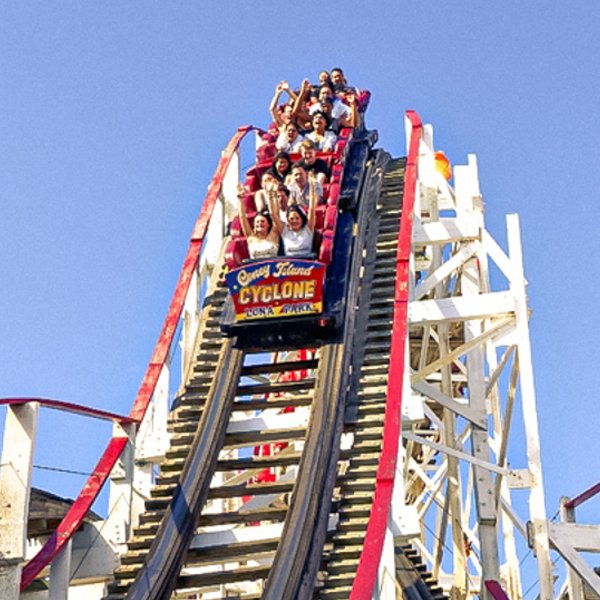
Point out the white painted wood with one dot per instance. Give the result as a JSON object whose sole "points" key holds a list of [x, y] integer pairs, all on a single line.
{"points": [[518, 479], [239, 534], [470, 208], [456, 453], [189, 330], [498, 255], [121, 500], [537, 504], [230, 183], [444, 231], [567, 538], [574, 583], [20, 429], [446, 269], [460, 409], [484, 306], [152, 440], [60, 571], [581, 537], [385, 586], [451, 356], [270, 421]]}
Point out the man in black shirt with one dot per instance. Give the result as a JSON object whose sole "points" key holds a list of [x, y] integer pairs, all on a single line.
{"points": [[310, 162]]}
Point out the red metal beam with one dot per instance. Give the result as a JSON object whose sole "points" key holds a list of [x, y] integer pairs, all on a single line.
{"points": [[167, 334], [366, 573], [74, 517], [78, 409], [493, 587], [581, 498]]}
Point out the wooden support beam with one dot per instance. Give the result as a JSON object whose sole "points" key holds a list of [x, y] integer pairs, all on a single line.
{"points": [[460, 308]]}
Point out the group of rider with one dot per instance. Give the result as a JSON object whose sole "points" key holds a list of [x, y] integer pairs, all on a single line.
{"points": [[289, 194]]}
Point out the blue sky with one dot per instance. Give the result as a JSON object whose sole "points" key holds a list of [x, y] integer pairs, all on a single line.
{"points": [[113, 117]]}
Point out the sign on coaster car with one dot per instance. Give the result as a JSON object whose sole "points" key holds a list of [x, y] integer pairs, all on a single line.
{"points": [[275, 288]]}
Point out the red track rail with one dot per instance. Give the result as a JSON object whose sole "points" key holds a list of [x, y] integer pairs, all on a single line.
{"points": [[366, 574], [77, 409], [75, 515]]}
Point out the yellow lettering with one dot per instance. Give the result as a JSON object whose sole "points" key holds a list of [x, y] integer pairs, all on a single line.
{"points": [[287, 289], [244, 296]]}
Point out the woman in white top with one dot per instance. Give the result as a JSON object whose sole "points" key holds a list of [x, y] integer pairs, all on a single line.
{"points": [[263, 238], [297, 234], [323, 138]]}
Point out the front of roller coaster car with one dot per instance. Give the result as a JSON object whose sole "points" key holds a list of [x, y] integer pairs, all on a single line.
{"points": [[277, 302], [276, 288]]}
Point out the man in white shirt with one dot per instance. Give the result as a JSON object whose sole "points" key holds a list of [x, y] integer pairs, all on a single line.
{"points": [[300, 189]]}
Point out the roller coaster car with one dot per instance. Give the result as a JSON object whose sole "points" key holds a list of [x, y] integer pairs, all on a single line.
{"points": [[287, 302]]}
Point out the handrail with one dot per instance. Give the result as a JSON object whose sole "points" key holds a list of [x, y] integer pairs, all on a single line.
{"points": [[167, 334], [366, 573], [76, 513], [581, 498], [78, 409]]}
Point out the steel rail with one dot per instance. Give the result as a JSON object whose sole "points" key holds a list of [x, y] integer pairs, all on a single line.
{"points": [[75, 515], [298, 555], [158, 577], [366, 573], [369, 192]]}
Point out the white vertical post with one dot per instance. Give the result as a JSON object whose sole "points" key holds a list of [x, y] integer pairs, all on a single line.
{"points": [[229, 187], [15, 485], [191, 319], [574, 583], [470, 209], [118, 521], [60, 573], [385, 586], [537, 503]]}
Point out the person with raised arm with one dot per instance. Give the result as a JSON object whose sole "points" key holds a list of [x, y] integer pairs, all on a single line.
{"points": [[300, 111], [261, 199], [282, 116], [298, 233], [262, 238]]}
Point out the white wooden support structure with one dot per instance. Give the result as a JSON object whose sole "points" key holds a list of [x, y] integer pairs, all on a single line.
{"points": [[470, 369], [15, 485], [569, 539]]}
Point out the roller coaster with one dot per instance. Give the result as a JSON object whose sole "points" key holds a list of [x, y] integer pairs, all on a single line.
{"points": [[364, 448]]}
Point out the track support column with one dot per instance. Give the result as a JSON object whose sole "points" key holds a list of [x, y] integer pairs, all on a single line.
{"points": [[537, 503], [470, 209], [15, 484]]}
